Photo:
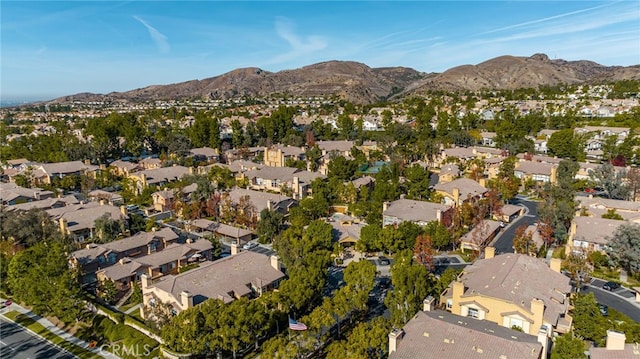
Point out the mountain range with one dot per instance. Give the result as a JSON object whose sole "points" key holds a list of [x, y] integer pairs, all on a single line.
{"points": [[360, 83]]}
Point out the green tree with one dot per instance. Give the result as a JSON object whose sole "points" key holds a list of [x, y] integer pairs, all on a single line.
{"points": [[411, 284], [567, 346], [612, 181], [270, 225], [624, 247], [108, 229], [588, 323], [107, 290], [40, 273], [612, 214], [523, 241], [566, 144]]}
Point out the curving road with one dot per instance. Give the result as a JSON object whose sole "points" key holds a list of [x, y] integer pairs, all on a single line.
{"points": [[504, 240], [622, 299]]}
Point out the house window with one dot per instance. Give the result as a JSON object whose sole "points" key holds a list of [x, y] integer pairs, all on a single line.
{"points": [[449, 303], [152, 302], [515, 322], [473, 313]]}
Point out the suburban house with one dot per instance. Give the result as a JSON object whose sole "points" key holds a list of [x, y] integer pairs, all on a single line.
{"points": [[246, 274], [616, 347], [46, 173], [479, 236], [458, 191], [277, 156], [488, 139], [590, 234], [78, 221], [11, 193], [163, 200], [204, 154], [224, 232], [448, 173], [508, 213], [158, 176], [96, 256], [512, 290], [112, 198], [597, 206], [419, 212], [436, 334], [278, 179], [123, 168], [346, 229], [244, 153], [464, 154], [157, 264], [150, 163], [537, 171], [49, 203], [364, 181], [262, 200]]}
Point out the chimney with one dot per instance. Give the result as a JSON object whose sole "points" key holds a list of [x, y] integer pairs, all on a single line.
{"points": [[186, 299], [191, 170], [555, 264], [144, 282], [439, 215], [394, 339], [123, 210], [275, 262], [36, 195], [489, 252], [456, 195], [483, 182], [385, 206], [554, 175], [102, 202], [537, 308], [429, 304], [615, 340], [543, 338], [457, 290], [63, 225], [234, 248], [87, 162], [269, 205]]}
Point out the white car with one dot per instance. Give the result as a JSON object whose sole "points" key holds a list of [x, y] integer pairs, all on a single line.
{"points": [[249, 245]]}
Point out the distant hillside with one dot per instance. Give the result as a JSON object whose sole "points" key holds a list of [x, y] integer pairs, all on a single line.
{"points": [[359, 83]]}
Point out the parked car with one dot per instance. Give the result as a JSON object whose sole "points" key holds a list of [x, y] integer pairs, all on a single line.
{"points": [[5, 304], [611, 286], [384, 261], [604, 310], [249, 245]]}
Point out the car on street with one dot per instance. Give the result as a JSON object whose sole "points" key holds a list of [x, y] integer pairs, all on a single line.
{"points": [[249, 245], [5, 304], [604, 310], [611, 286], [384, 261]]}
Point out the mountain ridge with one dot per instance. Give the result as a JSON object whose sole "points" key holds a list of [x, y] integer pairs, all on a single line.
{"points": [[359, 83]]}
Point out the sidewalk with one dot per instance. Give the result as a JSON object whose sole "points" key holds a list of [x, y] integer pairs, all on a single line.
{"points": [[55, 330]]}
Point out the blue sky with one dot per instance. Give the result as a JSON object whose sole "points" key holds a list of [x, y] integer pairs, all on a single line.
{"points": [[51, 49]]}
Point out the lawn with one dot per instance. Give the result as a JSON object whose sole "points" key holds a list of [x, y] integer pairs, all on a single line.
{"points": [[45, 333]]}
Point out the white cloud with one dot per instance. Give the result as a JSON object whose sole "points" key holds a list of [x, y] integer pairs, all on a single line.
{"points": [[160, 40], [299, 47]]}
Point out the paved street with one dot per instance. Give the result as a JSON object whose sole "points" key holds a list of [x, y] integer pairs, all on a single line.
{"points": [[17, 343], [504, 241], [622, 299]]}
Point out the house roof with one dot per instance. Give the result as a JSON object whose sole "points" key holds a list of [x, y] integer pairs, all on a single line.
{"points": [[223, 279], [414, 211], [451, 169], [204, 151], [141, 239], [238, 166], [466, 186], [288, 150], [90, 253], [517, 278], [460, 152], [100, 194], [10, 191], [174, 252], [595, 230], [363, 181], [481, 232], [66, 167], [122, 270], [259, 199], [273, 173], [124, 165], [163, 174], [48, 203], [83, 216], [342, 146], [630, 351], [534, 168], [510, 209], [439, 334]]}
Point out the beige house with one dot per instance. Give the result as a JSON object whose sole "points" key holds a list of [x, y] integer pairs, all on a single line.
{"points": [[78, 221], [158, 176], [479, 236], [46, 173], [512, 290], [277, 156], [448, 173], [419, 212], [435, 334], [616, 347], [537, 171], [246, 274], [458, 191], [224, 232], [282, 179], [590, 234], [597, 206]]}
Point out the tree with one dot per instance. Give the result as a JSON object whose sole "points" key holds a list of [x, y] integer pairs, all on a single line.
{"points": [[523, 242], [270, 225], [612, 181], [411, 284], [566, 144], [26, 228], [588, 323], [612, 214], [108, 229], [624, 247], [567, 346], [41, 278], [107, 290], [440, 235], [423, 251]]}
